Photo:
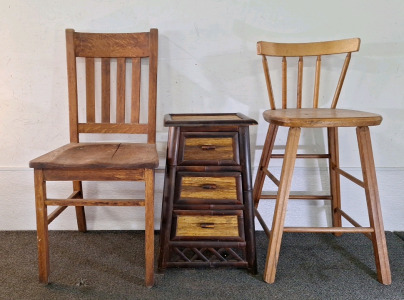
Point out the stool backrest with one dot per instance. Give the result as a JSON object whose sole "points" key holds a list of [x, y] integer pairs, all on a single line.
{"points": [[302, 50]]}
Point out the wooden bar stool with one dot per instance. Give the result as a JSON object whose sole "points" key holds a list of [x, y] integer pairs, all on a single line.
{"points": [[331, 118]]}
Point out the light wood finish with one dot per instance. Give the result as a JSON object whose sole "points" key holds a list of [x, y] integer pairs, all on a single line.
{"points": [[208, 148], [281, 204], [308, 49], [373, 202], [207, 226], [321, 117], [100, 161], [213, 148], [197, 187], [314, 117]]}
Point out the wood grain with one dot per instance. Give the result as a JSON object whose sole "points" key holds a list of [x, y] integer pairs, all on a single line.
{"points": [[207, 226], [101, 161], [195, 187], [321, 117], [308, 49], [220, 149], [330, 118]]}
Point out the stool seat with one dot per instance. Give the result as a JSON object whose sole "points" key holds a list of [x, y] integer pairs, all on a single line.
{"points": [[321, 117]]}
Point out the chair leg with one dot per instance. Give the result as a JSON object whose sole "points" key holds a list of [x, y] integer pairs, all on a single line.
{"points": [[281, 204], [373, 203], [335, 187], [42, 226], [149, 228], [264, 161], [80, 213]]}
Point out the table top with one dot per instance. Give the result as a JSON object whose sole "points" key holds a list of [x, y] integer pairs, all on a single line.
{"points": [[208, 119]]}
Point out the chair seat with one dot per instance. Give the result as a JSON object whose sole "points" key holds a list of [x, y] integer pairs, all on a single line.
{"points": [[97, 155], [321, 117]]}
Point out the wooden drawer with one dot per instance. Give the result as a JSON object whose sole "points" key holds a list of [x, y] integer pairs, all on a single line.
{"points": [[208, 225], [208, 188], [209, 148]]}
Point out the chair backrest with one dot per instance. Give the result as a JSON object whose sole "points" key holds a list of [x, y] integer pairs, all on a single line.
{"points": [[104, 54], [301, 50]]}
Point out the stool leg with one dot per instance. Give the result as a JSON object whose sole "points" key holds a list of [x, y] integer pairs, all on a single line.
{"points": [[42, 226], [264, 161], [281, 204], [149, 227], [335, 188], [373, 203]]}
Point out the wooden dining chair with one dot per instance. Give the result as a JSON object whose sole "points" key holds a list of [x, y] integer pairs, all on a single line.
{"points": [[103, 55], [294, 117]]}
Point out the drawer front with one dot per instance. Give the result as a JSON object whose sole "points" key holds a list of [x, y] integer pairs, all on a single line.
{"points": [[208, 188], [193, 225], [209, 148]]}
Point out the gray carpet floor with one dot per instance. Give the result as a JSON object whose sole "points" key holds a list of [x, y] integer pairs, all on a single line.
{"points": [[109, 265]]}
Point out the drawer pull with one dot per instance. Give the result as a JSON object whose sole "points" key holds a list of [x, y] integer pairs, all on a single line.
{"points": [[209, 186], [208, 147], [207, 225]]}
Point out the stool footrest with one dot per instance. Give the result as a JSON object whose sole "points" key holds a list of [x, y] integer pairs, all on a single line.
{"points": [[298, 197], [329, 229], [97, 202]]}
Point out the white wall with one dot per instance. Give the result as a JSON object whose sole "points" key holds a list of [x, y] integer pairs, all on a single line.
{"points": [[207, 63]]}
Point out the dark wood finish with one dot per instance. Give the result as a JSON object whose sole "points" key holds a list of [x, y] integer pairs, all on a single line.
{"points": [[331, 119], [207, 119], [100, 161], [207, 213]]}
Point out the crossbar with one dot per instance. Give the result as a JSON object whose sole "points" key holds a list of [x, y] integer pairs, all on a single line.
{"points": [[349, 176], [298, 197], [351, 220], [262, 222], [271, 176], [302, 155], [95, 202], [329, 229]]}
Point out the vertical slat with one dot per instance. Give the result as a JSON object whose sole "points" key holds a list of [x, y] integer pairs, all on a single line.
{"points": [[373, 203], [299, 82], [268, 81], [151, 120], [284, 82], [341, 80], [106, 90], [135, 99], [90, 90], [317, 82], [72, 85], [120, 90]]}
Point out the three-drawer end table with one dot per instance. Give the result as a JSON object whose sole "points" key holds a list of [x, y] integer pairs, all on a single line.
{"points": [[207, 217]]}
